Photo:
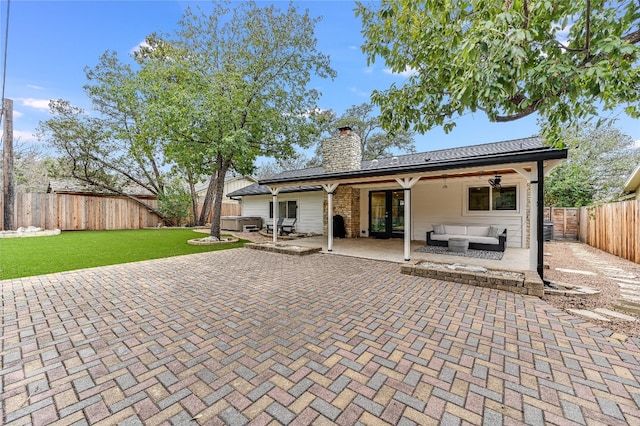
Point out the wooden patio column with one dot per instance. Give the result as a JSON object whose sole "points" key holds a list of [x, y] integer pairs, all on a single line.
{"points": [[275, 210], [407, 184], [330, 188]]}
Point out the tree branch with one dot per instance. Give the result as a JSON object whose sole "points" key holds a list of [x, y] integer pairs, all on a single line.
{"points": [[633, 38]]}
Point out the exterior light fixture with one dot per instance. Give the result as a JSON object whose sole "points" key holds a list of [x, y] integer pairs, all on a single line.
{"points": [[495, 182]]}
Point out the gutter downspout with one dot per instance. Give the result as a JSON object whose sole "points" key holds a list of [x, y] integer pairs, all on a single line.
{"points": [[540, 225]]}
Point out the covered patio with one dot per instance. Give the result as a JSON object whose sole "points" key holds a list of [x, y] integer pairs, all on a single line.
{"points": [[386, 208], [514, 259]]}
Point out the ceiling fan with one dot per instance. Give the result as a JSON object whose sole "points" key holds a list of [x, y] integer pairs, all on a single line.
{"points": [[495, 182]]}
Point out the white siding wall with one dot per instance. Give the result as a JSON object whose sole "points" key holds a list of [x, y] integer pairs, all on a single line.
{"points": [[310, 207], [233, 185], [431, 204]]}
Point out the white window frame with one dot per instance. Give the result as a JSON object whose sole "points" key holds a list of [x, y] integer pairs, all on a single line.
{"points": [[287, 216], [465, 201]]}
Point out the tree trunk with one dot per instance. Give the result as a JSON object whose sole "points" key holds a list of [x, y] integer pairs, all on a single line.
{"points": [[194, 202], [208, 200], [221, 171]]}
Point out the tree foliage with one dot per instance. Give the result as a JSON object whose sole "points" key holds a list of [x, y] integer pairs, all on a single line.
{"points": [[231, 85], [29, 168], [508, 58], [95, 153], [228, 86], [271, 168], [600, 160]]}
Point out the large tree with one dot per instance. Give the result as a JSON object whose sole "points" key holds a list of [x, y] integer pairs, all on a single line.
{"points": [[599, 161], [228, 86], [114, 145], [232, 85], [508, 58]]}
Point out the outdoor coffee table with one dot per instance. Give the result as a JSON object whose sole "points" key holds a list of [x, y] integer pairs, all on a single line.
{"points": [[458, 245]]}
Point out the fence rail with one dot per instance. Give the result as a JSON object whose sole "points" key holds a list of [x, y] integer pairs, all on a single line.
{"points": [[614, 228], [71, 212]]}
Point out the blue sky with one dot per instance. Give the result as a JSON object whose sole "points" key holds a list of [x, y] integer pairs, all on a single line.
{"points": [[51, 42]]}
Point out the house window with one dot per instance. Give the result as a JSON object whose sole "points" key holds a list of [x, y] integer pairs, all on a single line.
{"points": [[486, 198], [286, 209]]}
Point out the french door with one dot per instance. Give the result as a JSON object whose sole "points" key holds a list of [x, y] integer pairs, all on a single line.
{"points": [[386, 214]]}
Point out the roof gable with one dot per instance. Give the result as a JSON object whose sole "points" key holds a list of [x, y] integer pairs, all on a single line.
{"points": [[633, 183]]}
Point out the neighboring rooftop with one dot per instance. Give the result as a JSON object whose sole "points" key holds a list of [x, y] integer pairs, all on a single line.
{"points": [[76, 186]]}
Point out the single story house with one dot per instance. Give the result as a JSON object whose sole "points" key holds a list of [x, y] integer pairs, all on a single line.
{"points": [[497, 183], [231, 184], [632, 185]]}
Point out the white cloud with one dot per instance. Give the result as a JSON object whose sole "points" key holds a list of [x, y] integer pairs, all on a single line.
{"points": [[368, 70], [33, 86], [358, 92], [35, 103], [139, 46], [17, 114], [354, 47], [24, 136], [636, 144], [408, 72]]}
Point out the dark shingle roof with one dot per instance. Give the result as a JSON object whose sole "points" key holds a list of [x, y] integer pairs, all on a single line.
{"points": [[256, 189], [525, 149]]}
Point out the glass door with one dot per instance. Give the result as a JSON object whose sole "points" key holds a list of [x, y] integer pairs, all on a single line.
{"points": [[386, 214]]}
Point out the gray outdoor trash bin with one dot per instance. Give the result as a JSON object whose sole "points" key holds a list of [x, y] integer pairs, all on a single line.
{"points": [[458, 245]]}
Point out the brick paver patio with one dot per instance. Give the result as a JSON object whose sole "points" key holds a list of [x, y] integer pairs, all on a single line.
{"points": [[243, 336]]}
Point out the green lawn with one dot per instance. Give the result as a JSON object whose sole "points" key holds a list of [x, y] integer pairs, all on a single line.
{"points": [[23, 257]]}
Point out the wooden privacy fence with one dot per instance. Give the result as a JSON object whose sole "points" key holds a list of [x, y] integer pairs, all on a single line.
{"points": [[74, 212], [78, 212], [614, 228], [566, 222]]}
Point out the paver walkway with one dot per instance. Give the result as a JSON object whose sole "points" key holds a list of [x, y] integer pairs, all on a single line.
{"points": [[245, 336]]}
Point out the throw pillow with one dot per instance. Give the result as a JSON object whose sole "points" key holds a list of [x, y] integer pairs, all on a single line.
{"points": [[438, 229], [494, 231]]}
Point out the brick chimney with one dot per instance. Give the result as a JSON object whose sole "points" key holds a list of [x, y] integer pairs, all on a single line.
{"points": [[342, 153]]}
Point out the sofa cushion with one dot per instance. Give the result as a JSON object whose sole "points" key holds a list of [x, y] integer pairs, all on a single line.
{"points": [[494, 230], [438, 229], [439, 237], [479, 231], [483, 240], [455, 229]]}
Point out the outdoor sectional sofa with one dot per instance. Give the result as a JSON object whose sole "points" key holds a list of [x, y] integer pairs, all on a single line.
{"points": [[481, 237]]}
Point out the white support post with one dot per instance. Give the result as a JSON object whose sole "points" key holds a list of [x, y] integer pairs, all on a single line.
{"points": [[330, 188], [274, 193], [407, 184]]}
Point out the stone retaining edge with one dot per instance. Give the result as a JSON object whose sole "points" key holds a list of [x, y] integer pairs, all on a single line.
{"points": [[531, 285]]}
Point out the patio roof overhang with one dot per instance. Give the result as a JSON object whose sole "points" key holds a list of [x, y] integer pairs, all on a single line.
{"points": [[482, 164]]}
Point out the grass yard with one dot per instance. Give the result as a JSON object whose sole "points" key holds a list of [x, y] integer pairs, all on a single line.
{"points": [[24, 257]]}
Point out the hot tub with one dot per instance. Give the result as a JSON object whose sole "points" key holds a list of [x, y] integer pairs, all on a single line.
{"points": [[238, 223]]}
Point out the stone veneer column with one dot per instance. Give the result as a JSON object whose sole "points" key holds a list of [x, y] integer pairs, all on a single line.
{"points": [[346, 203]]}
